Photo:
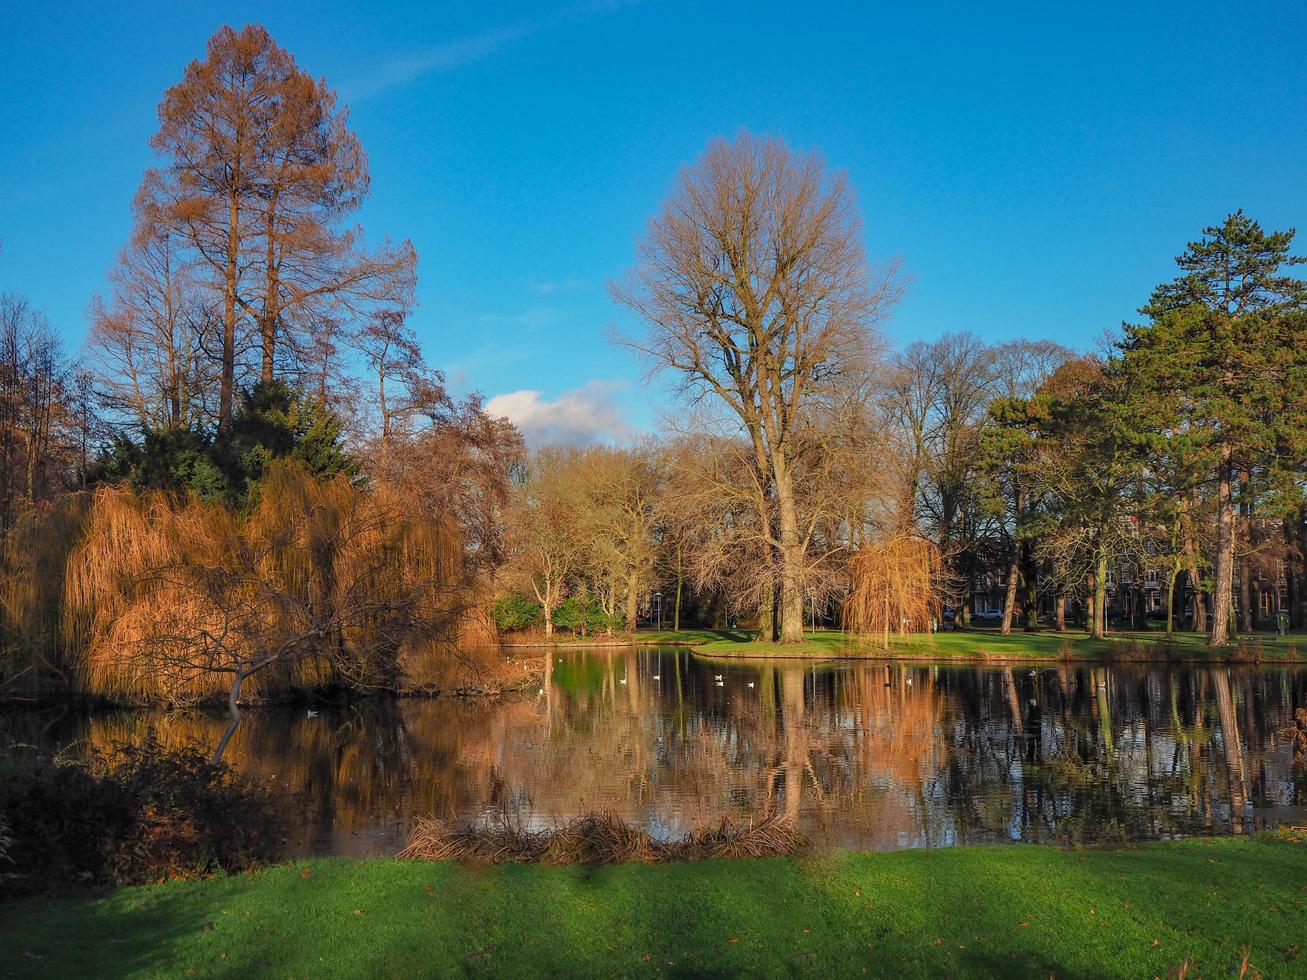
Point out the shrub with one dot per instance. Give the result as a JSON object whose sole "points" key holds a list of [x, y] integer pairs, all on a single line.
{"points": [[139, 813], [514, 612], [585, 616]]}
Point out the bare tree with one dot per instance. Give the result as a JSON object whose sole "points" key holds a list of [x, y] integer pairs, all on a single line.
{"points": [[148, 339], [755, 289], [544, 549], [260, 168], [36, 458]]}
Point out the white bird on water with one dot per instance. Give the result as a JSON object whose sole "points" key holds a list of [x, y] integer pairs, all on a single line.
{"points": [[751, 683], [716, 677], [657, 677], [622, 681], [310, 713], [721, 683]]}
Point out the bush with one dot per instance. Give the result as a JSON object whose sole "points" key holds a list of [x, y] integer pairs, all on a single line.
{"points": [[140, 813], [513, 612], [585, 616]]}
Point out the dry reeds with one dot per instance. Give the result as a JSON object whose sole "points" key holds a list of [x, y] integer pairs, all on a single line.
{"points": [[896, 588], [598, 838]]}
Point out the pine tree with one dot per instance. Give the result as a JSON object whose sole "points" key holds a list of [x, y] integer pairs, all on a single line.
{"points": [[1226, 349]]}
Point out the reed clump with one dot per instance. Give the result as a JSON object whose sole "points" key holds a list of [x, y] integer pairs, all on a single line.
{"points": [[596, 838]]}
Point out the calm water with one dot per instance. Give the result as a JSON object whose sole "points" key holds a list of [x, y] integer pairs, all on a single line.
{"points": [[861, 755]]}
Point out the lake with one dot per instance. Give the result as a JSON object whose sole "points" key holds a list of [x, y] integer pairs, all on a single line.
{"points": [[860, 754]]}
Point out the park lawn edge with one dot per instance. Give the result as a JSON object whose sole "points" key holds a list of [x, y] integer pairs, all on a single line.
{"points": [[965, 911], [974, 646]]}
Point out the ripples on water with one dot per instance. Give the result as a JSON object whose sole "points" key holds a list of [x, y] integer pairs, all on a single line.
{"points": [[862, 755]]}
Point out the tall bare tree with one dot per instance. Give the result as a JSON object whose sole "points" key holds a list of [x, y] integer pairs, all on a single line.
{"points": [[756, 291], [148, 338]]}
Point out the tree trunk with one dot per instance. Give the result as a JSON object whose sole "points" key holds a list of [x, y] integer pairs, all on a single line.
{"points": [[1059, 611], [268, 321], [1029, 588], [1198, 611], [227, 383], [1010, 594], [1246, 594], [1091, 611], [767, 614], [676, 616], [1170, 596], [1224, 591], [233, 709], [792, 555], [632, 599], [1099, 630]]}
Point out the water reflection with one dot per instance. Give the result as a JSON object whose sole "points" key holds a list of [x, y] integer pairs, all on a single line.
{"points": [[860, 755]]}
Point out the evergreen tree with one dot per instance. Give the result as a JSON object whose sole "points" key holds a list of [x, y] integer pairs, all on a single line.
{"points": [[272, 421], [1225, 349]]}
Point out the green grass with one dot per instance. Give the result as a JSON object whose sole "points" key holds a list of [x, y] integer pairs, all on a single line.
{"points": [[974, 912], [989, 644], [688, 637]]}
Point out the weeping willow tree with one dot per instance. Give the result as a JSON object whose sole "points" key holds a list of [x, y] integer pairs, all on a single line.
{"points": [[896, 588], [33, 654], [321, 582]]}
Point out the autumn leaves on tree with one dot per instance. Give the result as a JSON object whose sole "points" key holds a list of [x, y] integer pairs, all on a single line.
{"points": [[240, 243]]}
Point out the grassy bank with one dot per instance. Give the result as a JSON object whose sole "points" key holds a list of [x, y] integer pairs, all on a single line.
{"points": [[989, 644], [1017, 910]]}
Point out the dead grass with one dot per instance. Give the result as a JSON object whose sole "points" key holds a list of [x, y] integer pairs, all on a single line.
{"points": [[597, 838]]}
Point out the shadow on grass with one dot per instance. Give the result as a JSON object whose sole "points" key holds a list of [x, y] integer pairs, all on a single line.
{"points": [[1013, 910]]}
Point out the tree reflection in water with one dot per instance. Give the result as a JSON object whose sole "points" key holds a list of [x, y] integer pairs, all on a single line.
{"points": [[860, 755]]}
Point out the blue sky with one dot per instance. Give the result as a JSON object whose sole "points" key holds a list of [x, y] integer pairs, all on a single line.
{"points": [[1035, 169]]}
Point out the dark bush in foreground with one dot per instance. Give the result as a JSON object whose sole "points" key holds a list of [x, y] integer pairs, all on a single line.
{"points": [[141, 813], [602, 838]]}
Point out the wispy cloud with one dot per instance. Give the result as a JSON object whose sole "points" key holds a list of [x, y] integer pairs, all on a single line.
{"points": [[452, 54], [574, 418], [559, 285]]}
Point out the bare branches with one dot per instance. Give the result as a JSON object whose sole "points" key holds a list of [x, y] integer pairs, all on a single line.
{"points": [[754, 287]]}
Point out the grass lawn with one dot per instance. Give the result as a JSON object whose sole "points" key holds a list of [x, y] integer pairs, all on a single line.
{"points": [[989, 644], [1020, 910]]}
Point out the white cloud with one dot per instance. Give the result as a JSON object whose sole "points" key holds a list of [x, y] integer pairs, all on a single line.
{"points": [[576, 417], [439, 58], [461, 51]]}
